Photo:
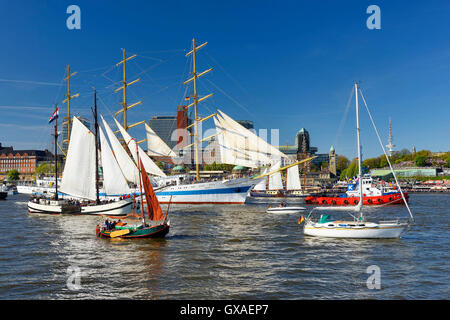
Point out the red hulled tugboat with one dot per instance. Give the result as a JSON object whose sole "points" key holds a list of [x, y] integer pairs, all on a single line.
{"points": [[372, 195]]}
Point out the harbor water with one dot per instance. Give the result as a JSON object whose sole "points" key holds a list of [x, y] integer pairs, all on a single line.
{"points": [[222, 252]]}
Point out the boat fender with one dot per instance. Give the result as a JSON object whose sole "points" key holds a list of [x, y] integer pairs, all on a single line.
{"points": [[390, 199], [380, 201], [369, 201], [333, 202], [324, 201], [355, 202], [346, 201]]}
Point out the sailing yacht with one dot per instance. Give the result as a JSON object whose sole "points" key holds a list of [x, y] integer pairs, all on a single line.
{"points": [[359, 227], [80, 180]]}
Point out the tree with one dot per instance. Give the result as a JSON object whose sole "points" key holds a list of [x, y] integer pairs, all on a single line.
{"points": [[420, 161], [13, 175], [342, 163], [447, 162]]}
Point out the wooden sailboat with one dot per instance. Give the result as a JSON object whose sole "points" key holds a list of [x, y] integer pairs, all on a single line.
{"points": [[80, 181], [359, 227], [157, 225]]}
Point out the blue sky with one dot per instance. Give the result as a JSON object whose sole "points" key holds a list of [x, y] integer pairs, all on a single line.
{"points": [[283, 64]]}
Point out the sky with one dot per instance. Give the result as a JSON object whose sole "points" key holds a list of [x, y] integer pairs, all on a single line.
{"points": [[282, 64]]}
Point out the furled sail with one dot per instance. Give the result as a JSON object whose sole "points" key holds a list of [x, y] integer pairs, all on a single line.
{"points": [[114, 181], [293, 179], [155, 145], [149, 165], [275, 181], [126, 164], [79, 170]]}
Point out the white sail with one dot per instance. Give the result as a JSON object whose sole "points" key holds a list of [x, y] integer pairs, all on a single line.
{"points": [[229, 148], [155, 145], [261, 186], [293, 179], [78, 178], [114, 181], [255, 146], [149, 165], [126, 164], [275, 181]]}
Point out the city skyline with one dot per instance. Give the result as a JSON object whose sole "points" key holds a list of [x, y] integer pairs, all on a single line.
{"points": [[281, 65]]}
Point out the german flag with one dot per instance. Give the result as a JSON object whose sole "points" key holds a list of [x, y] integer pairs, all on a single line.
{"points": [[300, 220]]}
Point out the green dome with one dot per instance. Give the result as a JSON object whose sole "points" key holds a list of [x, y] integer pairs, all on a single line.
{"points": [[178, 168], [238, 168]]}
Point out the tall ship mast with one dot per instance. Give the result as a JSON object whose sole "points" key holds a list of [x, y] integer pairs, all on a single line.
{"points": [[67, 121], [125, 85], [196, 99]]}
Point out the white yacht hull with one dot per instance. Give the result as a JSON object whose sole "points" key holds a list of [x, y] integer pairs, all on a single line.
{"points": [[216, 192], [358, 231], [118, 208], [286, 210]]}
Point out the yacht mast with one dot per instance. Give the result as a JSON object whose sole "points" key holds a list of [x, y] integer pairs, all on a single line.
{"points": [[56, 157], [97, 201], [359, 150]]}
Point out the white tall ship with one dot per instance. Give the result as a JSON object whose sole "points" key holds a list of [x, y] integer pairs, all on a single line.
{"points": [[238, 146], [359, 227]]}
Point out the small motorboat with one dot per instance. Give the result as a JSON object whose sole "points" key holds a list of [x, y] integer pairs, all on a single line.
{"points": [[283, 208]]}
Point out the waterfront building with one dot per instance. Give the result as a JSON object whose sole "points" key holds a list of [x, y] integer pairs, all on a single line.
{"points": [[24, 161]]}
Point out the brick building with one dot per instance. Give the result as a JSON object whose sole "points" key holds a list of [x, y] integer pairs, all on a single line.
{"points": [[25, 161]]}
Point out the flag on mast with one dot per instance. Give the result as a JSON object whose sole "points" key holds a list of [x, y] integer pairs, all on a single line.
{"points": [[54, 115]]}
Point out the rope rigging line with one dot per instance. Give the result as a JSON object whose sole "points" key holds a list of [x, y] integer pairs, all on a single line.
{"points": [[387, 158]]}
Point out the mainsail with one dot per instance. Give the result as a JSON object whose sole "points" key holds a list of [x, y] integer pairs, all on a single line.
{"points": [[275, 181], [153, 207], [149, 165], [262, 185], [155, 145], [293, 179], [113, 179], [79, 171], [126, 164]]}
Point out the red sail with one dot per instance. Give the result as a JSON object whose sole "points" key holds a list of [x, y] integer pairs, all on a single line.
{"points": [[154, 209]]}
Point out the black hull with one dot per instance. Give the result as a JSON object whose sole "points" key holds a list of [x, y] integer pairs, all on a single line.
{"points": [[3, 195]]}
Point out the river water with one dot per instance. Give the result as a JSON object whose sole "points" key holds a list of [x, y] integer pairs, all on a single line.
{"points": [[222, 252]]}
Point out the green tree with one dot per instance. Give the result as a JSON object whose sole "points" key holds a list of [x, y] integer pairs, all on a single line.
{"points": [[447, 162], [420, 161], [13, 175], [342, 163]]}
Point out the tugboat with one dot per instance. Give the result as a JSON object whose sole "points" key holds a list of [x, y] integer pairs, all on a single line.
{"points": [[372, 195]]}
